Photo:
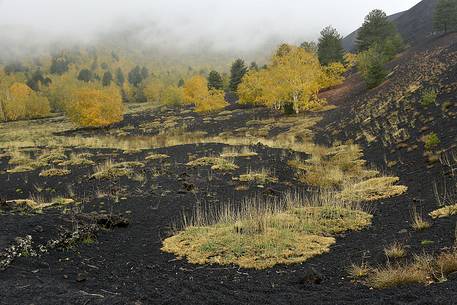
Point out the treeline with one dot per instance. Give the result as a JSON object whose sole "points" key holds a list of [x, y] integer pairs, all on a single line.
{"points": [[83, 84], [91, 85]]}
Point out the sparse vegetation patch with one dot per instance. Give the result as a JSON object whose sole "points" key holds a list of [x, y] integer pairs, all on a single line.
{"points": [[373, 189], [262, 176], [52, 172], [112, 170], [262, 234], [443, 212], [216, 163]]}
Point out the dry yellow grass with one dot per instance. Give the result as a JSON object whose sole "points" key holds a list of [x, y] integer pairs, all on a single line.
{"points": [[78, 160], [446, 211], [418, 221], [260, 234], [234, 152], [447, 262], [373, 189], [395, 250], [261, 176], [423, 269], [112, 170], [216, 163], [359, 270], [393, 276], [38, 203], [23, 162], [53, 172], [154, 156]]}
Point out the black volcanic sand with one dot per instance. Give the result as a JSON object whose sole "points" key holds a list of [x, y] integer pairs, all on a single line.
{"points": [[126, 266]]}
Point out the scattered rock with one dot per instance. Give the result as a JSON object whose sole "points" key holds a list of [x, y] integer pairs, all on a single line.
{"points": [[38, 229], [271, 192], [311, 276], [81, 277], [403, 231], [188, 186], [452, 276]]}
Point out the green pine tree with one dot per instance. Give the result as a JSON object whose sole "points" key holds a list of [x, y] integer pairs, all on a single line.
{"points": [[135, 76], [375, 30], [85, 75], [445, 16], [215, 81], [107, 79], [237, 72], [329, 47], [120, 78], [309, 46]]}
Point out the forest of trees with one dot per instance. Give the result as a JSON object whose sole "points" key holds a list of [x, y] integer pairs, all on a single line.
{"points": [[90, 86]]}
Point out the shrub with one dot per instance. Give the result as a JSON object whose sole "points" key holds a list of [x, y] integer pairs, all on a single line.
{"points": [[333, 74], [153, 90], [395, 250], [429, 97], [196, 92], [431, 141], [93, 107], [172, 95], [21, 102], [371, 65]]}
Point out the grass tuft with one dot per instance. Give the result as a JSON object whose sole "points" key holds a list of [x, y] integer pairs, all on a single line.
{"points": [[111, 170], [443, 212], [263, 176], [55, 172], [260, 234], [373, 189], [218, 164], [395, 250], [418, 221]]}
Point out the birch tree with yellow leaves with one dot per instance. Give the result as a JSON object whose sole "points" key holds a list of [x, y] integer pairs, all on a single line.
{"points": [[95, 107], [196, 92], [294, 76]]}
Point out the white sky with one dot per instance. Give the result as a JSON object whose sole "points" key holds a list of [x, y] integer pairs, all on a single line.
{"points": [[224, 23]]}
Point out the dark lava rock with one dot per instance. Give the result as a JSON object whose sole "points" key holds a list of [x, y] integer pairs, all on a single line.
{"points": [[38, 229], [271, 192], [188, 186], [81, 277], [311, 276]]}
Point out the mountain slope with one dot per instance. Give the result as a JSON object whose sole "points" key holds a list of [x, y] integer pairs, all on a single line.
{"points": [[414, 25]]}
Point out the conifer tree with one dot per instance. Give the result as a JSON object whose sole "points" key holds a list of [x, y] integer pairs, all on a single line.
{"points": [[107, 79], [375, 30], [330, 49], [237, 72], [445, 16], [215, 81]]}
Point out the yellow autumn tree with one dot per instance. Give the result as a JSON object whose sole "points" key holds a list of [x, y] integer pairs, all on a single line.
{"points": [[61, 90], [194, 89], [294, 76], [21, 102], [15, 106], [333, 75], [172, 96], [95, 107], [153, 90], [196, 92]]}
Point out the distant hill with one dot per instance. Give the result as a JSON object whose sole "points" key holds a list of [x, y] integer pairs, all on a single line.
{"points": [[414, 24]]}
